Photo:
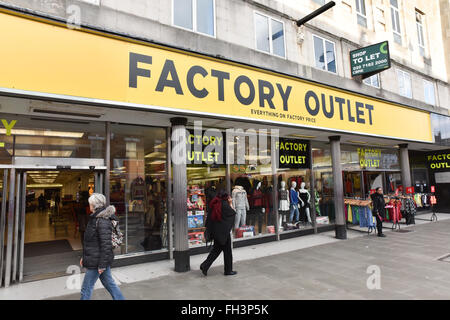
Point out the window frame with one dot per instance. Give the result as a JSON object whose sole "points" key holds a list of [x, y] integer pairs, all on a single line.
{"points": [[425, 81], [397, 11], [194, 19], [371, 85], [421, 35], [364, 16], [269, 18], [324, 46], [403, 73]]}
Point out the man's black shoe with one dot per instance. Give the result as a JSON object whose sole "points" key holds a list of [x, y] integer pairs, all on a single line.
{"points": [[382, 235], [204, 271], [232, 273]]}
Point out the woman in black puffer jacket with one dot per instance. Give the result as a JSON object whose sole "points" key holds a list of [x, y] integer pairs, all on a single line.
{"points": [[97, 248]]}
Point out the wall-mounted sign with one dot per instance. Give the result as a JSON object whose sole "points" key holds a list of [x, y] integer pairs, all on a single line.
{"points": [[157, 78], [439, 161], [369, 157], [433, 189], [370, 60], [293, 154], [204, 148]]}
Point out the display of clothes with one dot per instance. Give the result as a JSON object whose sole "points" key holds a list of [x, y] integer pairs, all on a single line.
{"points": [[394, 210], [240, 204], [255, 215], [138, 195], [360, 215], [422, 200], [284, 200], [409, 210], [317, 202], [303, 206]]}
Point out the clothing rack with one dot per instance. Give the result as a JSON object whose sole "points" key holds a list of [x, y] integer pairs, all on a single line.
{"points": [[433, 217]]}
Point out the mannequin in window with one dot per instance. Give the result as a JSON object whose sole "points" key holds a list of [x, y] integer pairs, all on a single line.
{"points": [[256, 206], [295, 201], [305, 197], [284, 203], [240, 205]]}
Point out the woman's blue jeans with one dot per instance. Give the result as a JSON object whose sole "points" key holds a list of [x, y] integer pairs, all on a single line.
{"points": [[91, 277]]}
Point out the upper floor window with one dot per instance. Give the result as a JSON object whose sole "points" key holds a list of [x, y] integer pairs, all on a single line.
{"points": [[429, 92], [324, 54], [373, 81], [361, 12], [421, 40], [396, 21], [195, 15], [404, 83], [269, 34]]}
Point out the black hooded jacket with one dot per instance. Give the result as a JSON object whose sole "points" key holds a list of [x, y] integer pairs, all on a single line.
{"points": [[378, 204], [97, 247]]}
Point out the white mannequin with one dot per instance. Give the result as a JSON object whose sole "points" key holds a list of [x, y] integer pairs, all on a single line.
{"points": [[258, 186], [284, 204], [303, 190]]}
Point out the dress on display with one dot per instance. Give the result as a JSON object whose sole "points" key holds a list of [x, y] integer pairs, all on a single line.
{"points": [[304, 196], [284, 200]]}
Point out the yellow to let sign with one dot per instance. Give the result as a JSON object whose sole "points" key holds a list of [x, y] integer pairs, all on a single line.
{"points": [[41, 57]]}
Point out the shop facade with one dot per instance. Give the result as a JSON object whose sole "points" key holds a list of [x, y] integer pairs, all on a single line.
{"points": [[160, 130]]}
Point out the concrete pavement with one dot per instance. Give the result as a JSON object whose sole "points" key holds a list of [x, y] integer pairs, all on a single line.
{"points": [[326, 269]]}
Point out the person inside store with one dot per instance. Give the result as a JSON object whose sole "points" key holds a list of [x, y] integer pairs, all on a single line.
{"points": [[81, 210], [219, 223], [98, 252], [41, 202], [378, 209]]}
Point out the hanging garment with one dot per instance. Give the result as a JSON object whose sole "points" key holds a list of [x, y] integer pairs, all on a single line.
{"points": [[239, 198], [317, 202], [363, 218], [256, 199], [433, 200], [350, 214]]}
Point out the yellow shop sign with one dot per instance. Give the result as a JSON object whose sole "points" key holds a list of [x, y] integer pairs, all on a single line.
{"points": [[47, 58]]}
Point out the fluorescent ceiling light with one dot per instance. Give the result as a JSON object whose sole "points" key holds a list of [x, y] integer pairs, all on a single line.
{"points": [[54, 185], [158, 162], [155, 155], [43, 153], [358, 142], [55, 172], [45, 133]]}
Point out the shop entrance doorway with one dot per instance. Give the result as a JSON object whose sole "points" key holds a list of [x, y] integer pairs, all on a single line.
{"points": [[44, 212]]}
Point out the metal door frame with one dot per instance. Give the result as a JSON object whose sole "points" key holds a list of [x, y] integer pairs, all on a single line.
{"points": [[13, 258]]}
